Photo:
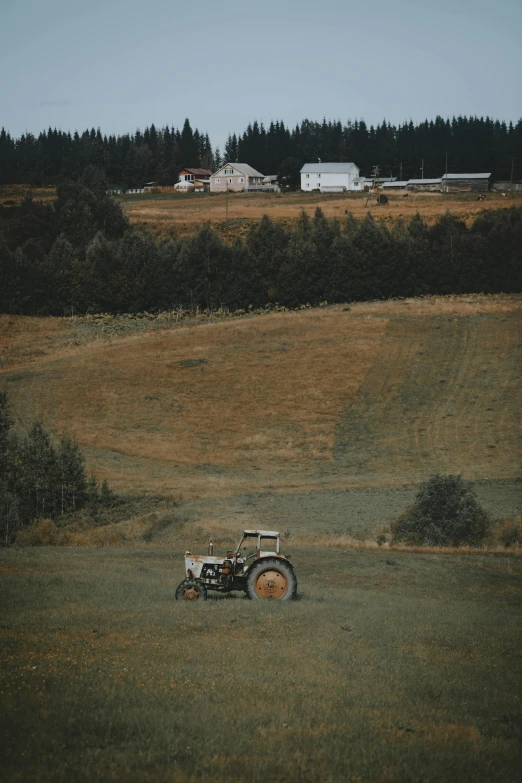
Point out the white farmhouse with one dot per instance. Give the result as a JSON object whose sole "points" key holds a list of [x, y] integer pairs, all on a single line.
{"points": [[329, 177]]}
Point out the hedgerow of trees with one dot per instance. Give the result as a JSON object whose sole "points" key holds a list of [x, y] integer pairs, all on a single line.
{"points": [[157, 154], [41, 477], [81, 253]]}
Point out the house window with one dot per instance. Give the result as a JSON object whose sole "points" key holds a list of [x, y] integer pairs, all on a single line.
{"points": [[230, 180], [229, 171], [217, 181], [307, 176], [241, 179], [318, 175]]}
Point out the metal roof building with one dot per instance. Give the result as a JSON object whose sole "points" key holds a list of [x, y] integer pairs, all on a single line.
{"points": [[426, 181], [466, 176], [462, 182], [427, 184], [328, 168]]}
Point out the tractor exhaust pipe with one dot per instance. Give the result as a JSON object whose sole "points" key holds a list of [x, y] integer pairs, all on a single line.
{"points": [[210, 548]]}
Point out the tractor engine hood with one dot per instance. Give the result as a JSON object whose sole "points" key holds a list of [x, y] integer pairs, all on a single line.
{"points": [[195, 563]]}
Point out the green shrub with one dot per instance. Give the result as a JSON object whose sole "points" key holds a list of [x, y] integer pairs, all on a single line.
{"points": [[511, 533], [446, 512]]}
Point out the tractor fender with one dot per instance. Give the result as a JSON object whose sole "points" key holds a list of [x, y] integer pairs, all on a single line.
{"points": [[268, 559]]}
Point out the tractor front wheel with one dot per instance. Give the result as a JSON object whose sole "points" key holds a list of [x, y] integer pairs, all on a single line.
{"points": [[190, 590], [272, 578]]}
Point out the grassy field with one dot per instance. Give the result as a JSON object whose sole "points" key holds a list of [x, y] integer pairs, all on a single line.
{"points": [[183, 215], [15, 194], [164, 213], [394, 665], [401, 667], [379, 394]]}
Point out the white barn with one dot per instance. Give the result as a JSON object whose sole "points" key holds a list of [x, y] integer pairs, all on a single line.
{"points": [[329, 177]]}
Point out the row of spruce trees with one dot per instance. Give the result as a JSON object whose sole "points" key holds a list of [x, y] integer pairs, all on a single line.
{"points": [[158, 154], [81, 252]]}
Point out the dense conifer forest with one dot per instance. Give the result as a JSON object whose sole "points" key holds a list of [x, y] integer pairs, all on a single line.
{"points": [[157, 154], [81, 252]]}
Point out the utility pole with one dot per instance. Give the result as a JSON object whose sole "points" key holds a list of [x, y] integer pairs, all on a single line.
{"points": [[446, 153], [375, 176], [422, 169], [512, 168]]}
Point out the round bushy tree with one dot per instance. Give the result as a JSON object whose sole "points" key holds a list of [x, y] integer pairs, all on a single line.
{"points": [[446, 512]]}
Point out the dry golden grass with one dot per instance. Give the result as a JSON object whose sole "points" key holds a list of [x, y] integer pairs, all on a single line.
{"points": [[183, 214], [24, 339], [273, 387], [380, 395], [16, 193]]}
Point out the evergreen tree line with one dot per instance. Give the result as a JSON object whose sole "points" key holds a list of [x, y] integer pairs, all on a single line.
{"points": [[129, 160], [82, 253], [41, 478], [157, 154]]}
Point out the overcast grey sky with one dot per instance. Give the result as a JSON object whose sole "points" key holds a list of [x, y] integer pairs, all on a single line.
{"points": [[223, 63]]}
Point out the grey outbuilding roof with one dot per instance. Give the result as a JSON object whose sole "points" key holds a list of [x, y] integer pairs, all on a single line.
{"points": [[328, 168], [247, 170], [466, 176], [424, 181]]}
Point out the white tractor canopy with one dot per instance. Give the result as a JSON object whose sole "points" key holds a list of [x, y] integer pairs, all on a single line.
{"points": [[262, 533], [259, 535]]}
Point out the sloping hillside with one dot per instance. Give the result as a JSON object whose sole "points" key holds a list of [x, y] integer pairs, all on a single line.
{"points": [[378, 394]]}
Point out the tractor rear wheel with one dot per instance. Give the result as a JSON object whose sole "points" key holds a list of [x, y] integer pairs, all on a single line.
{"points": [[190, 590], [272, 578]]}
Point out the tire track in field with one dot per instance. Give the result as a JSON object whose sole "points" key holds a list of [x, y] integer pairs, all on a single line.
{"points": [[441, 396]]}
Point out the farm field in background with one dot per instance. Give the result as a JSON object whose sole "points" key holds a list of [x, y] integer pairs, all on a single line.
{"points": [[15, 194], [163, 213], [185, 214]]}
